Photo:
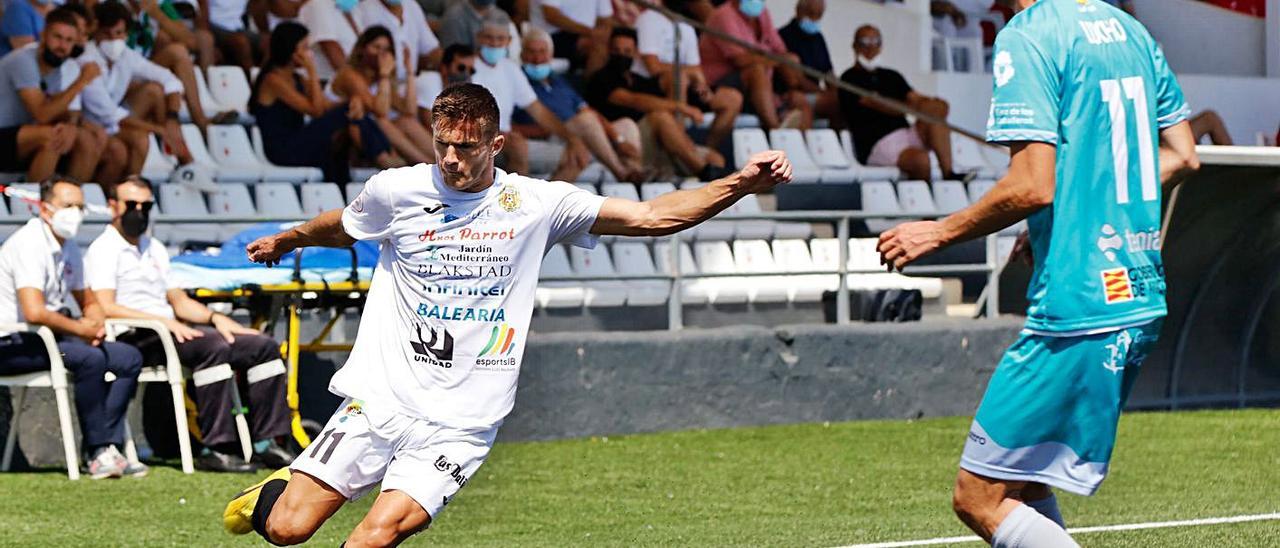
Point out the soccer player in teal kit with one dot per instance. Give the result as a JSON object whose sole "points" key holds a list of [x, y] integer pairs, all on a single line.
{"points": [[1096, 125]]}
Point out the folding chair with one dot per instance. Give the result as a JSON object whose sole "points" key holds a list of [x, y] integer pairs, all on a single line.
{"points": [[170, 372], [55, 378]]}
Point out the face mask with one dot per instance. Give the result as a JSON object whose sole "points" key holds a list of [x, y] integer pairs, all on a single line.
{"points": [[809, 26], [392, 2], [134, 222], [751, 8], [867, 63], [112, 49], [66, 222], [492, 55], [50, 58], [459, 78], [537, 73], [620, 63], [76, 51], [345, 6], [483, 3]]}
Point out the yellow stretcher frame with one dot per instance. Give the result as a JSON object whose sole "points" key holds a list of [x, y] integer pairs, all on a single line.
{"points": [[265, 302]]}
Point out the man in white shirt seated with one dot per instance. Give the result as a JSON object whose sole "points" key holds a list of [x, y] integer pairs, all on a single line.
{"points": [[41, 271], [579, 28], [134, 97], [408, 25], [129, 276]]}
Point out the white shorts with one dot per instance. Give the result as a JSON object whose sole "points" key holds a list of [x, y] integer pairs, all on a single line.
{"points": [[890, 147], [361, 446]]}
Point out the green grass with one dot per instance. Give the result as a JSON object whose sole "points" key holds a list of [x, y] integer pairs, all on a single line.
{"points": [[800, 485]]}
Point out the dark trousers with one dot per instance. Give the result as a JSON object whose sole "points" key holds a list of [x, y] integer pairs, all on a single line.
{"points": [[213, 383], [100, 405]]}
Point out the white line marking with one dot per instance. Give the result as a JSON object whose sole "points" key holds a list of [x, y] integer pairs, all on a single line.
{"points": [[1085, 530]]}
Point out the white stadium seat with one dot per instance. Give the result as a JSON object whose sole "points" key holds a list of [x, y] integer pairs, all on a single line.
{"points": [[200, 154], [755, 257], [791, 141], [863, 257], [207, 103], [157, 165], [229, 87], [979, 188], [281, 173], [6, 230], [717, 258], [318, 198], [362, 174], [22, 208], [596, 262], [230, 148], [633, 258], [967, 156], [587, 187], [916, 198], [594, 172], [558, 294], [649, 191], [277, 200], [793, 256], [880, 197], [711, 229], [761, 229], [950, 196], [691, 291], [181, 200], [747, 142], [353, 190], [866, 173], [824, 147], [231, 200], [94, 196], [625, 191]]}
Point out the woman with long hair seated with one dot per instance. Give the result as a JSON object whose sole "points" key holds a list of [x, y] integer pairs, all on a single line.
{"points": [[369, 76], [282, 99]]}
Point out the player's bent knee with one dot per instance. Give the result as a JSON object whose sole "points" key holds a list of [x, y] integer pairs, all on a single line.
{"points": [[286, 529]]}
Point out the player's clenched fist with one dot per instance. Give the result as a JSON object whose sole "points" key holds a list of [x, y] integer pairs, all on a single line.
{"points": [[268, 249], [764, 170], [903, 244]]}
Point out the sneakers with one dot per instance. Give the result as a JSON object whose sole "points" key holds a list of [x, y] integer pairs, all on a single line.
{"points": [[274, 456], [135, 469], [237, 519], [107, 462], [214, 461]]}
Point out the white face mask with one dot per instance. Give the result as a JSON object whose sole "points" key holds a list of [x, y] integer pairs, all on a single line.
{"points": [[65, 222], [112, 49], [867, 63]]}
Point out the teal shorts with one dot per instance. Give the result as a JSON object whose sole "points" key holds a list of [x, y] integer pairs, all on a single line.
{"points": [[1051, 410]]}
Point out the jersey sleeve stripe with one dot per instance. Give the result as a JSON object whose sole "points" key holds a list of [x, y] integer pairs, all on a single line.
{"points": [[1007, 135], [1175, 117]]}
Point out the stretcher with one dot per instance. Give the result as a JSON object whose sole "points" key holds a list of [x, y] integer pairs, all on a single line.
{"points": [[269, 303]]}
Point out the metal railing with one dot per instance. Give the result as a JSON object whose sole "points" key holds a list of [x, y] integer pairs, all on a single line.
{"points": [[991, 265]]}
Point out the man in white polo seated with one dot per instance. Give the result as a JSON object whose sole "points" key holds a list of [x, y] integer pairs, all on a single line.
{"points": [[128, 272]]}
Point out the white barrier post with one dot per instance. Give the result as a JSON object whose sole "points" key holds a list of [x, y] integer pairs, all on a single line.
{"points": [[842, 269], [675, 308]]}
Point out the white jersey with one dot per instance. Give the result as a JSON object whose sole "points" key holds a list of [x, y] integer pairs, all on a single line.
{"points": [[443, 331]]}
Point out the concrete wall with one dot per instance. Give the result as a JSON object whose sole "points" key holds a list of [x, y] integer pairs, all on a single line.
{"points": [[906, 28], [1200, 38]]}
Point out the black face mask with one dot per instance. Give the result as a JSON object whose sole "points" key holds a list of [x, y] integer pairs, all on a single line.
{"points": [[620, 63], [459, 78], [76, 51], [50, 58], [134, 222]]}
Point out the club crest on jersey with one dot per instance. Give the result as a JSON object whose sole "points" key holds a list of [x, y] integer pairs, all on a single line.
{"points": [[1116, 286], [1002, 68], [509, 199]]}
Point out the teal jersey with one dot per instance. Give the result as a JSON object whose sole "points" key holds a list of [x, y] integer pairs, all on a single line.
{"points": [[1088, 78]]}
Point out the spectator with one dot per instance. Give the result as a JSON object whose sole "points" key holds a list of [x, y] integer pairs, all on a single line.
{"points": [[579, 28], [657, 45], [368, 78], [881, 134], [959, 18], [462, 21], [41, 272], [457, 66], [509, 86], [128, 272], [22, 22], [625, 13], [133, 98], [222, 23], [1209, 123], [40, 103], [728, 64], [333, 33], [803, 37], [159, 32], [617, 148], [618, 92], [408, 25], [282, 99]]}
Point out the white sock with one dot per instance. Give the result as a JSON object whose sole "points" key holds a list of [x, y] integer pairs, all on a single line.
{"points": [[1026, 528], [1048, 508]]}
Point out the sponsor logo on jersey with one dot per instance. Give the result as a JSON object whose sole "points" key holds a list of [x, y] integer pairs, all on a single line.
{"points": [[1119, 352], [434, 208], [356, 407], [460, 290], [1109, 242], [436, 350], [461, 313], [454, 470], [1012, 114], [467, 234], [509, 199], [1134, 242], [1002, 68], [1116, 287], [975, 438], [432, 270], [469, 254]]}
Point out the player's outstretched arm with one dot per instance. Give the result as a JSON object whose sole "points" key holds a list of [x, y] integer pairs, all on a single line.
{"points": [[676, 211], [324, 231], [1178, 158], [1027, 188]]}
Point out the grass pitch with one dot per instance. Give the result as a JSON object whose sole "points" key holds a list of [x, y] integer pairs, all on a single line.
{"points": [[801, 485]]}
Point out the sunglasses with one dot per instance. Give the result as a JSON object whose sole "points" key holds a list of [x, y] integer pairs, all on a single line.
{"points": [[464, 68], [869, 42], [144, 206]]}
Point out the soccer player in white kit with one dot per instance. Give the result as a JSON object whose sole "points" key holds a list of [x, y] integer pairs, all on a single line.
{"points": [[434, 366]]}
